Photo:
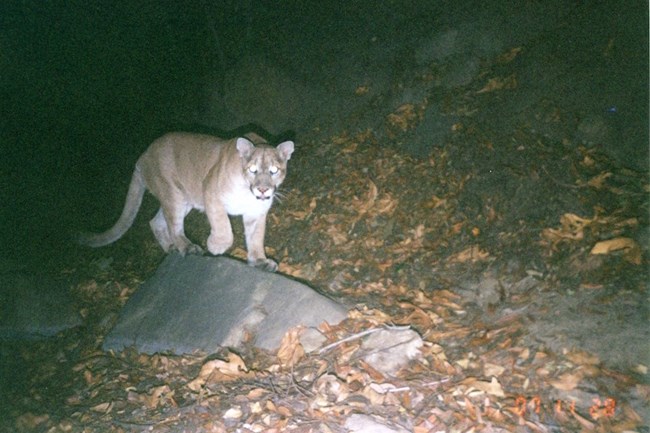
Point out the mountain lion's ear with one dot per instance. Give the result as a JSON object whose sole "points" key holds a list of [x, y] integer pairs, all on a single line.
{"points": [[285, 149], [245, 147]]}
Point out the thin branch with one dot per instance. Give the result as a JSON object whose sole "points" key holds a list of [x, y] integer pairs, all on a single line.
{"points": [[361, 335]]}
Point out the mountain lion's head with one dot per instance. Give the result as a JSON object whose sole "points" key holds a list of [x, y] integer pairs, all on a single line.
{"points": [[264, 167]]}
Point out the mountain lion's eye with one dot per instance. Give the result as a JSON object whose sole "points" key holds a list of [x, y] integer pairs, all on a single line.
{"points": [[274, 169], [253, 169]]}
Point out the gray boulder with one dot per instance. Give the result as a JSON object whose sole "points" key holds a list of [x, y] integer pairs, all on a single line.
{"points": [[34, 307], [203, 303]]}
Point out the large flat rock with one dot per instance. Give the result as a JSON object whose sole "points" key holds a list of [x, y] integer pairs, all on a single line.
{"points": [[203, 303]]}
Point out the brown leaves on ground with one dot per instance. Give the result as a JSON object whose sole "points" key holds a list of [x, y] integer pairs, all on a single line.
{"points": [[291, 351], [368, 210], [405, 117], [218, 370], [471, 254], [574, 228], [468, 375]]}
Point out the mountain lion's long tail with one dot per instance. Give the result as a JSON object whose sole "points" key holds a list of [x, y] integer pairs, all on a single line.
{"points": [[131, 207]]}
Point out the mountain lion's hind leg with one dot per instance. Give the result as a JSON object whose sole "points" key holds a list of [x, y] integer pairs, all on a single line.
{"points": [[161, 230], [174, 218]]}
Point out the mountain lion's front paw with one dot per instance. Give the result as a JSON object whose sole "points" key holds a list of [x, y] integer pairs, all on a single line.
{"points": [[265, 264], [195, 250], [218, 246], [188, 248]]}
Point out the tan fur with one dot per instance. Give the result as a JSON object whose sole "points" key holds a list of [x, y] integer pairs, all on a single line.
{"points": [[219, 177]]}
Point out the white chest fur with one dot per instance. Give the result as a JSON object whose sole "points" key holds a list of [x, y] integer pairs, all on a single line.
{"points": [[243, 202]]}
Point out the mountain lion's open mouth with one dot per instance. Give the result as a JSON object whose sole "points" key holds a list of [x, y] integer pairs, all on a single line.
{"points": [[262, 193]]}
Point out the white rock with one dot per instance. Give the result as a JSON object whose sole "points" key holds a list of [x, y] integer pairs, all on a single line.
{"points": [[388, 350], [366, 424]]}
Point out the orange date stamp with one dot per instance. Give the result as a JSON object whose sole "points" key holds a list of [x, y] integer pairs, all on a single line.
{"points": [[599, 409]]}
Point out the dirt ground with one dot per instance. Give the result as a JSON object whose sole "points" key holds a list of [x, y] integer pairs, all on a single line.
{"points": [[476, 201]]}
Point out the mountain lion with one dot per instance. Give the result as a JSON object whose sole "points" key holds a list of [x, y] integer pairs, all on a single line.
{"points": [[219, 177]]}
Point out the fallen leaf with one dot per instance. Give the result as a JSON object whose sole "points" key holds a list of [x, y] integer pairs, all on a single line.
{"points": [[509, 82], [102, 407], [233, 413], [581, 357], [257, 393], [301, 215], [361, 90], [29, 421], [256, 407], [404, 117], [598, 182], [472, 254], [218, 370], [418, 318], [583, 421], [291, 351], [472, 411], [338, 236], [330, 388], [572, 228], [492, 370], [284, 411], [88, 377], [494, 413], [631, 250], [158, 396], [493, 387], [239, 253], [509, 56], [587, 161], [567, 381]]}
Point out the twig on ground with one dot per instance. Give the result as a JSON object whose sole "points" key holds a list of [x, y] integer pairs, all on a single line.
{"points": [[360, 335]]}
